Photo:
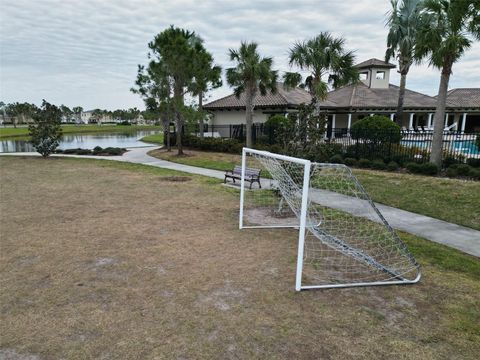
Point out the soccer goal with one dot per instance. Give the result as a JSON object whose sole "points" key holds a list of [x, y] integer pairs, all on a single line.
{"points": [[343, 239]]}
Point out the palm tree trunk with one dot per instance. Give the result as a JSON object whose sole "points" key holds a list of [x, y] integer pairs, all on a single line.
{"points": [[249, 115], [200, 108], [401, 97], [439, 118]]}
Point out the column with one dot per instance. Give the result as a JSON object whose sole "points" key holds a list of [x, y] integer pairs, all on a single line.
{"points": [[446, 120], [430, 116], [349, 123], [464, 121], [410, 122], [392, 116], [333, 126], [456, 119]]}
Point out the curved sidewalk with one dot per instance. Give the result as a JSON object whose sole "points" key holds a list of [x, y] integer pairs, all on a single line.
{"points": [[455, 236]]}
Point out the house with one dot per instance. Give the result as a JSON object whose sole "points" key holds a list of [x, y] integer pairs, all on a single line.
{"points": [[373, 94]]}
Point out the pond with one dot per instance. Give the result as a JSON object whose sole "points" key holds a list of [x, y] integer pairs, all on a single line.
{"points": [[83, 141]]}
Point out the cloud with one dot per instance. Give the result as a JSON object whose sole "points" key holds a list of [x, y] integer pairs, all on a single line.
{"points": [[86, 52]]}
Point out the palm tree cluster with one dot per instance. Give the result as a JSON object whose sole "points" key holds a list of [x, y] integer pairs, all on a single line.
{"points": [[438, 31]]}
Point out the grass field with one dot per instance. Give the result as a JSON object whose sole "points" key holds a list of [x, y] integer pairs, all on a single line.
{"points": [[10, 132], [153, 139], [452, 200], [120, 261]]}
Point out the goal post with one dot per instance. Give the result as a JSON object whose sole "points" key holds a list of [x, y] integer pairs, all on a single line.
{"points": [[343, 239]]}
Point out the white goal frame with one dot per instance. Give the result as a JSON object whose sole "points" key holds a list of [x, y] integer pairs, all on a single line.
{"points": [[302, 226]]}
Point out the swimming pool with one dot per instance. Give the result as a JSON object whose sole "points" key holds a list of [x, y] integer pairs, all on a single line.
{"points": [[467, 147]]}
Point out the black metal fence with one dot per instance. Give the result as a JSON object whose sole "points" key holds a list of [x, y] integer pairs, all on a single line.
{"points": [[381, 144]]}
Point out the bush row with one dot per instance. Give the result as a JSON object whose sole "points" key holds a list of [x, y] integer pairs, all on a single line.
{"points": [[97, 150], [469, 170], [333, 153]]}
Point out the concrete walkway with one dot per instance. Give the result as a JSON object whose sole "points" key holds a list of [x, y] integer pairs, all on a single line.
{"points": [[455, 236]]}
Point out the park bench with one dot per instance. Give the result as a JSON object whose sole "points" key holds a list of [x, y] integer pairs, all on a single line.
{"points": [[251, 175]]}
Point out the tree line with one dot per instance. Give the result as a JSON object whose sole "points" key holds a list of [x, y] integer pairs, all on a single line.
{"points": [[434, 31], [22, 113]]}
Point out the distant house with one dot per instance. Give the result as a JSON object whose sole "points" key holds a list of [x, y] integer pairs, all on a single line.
{"points": [[373, 94], [85, 116]]}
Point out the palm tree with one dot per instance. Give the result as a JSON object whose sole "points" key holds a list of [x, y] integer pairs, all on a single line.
{"points": [[207, 75], [403, 21], [251, 75], [446, 32], [321, 56]]}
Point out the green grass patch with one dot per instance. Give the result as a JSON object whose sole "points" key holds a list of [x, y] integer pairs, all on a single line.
{"points": [[452, 200], [18, 132], [154, 139], [441, 256]]}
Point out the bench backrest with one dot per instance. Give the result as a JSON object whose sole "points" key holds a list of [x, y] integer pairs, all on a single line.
{"points": [[248, 171]]}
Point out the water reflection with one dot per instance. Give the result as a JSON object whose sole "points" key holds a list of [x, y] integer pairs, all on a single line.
{"points": [[84, 141]]}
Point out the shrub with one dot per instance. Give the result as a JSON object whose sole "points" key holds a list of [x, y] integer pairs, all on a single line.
{"points": [[350, 161], [97, 150], [213, 144], [428, 169], [71, 151], [336, 159], [278, 129], [84, 152], [425, 169], [113, 151], [124, 123], [452, 172], [376, 129], [474, 173], [473, 162], [364, 163], [463, 169], [59, 151], [392, 166], [378, 165], [449, 161], [413, 167]]}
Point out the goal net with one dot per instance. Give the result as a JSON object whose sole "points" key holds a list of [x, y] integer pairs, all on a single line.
{"points": [[343, 239]]}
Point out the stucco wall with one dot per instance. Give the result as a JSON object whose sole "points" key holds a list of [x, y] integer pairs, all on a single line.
{"points": [[236, 117]]}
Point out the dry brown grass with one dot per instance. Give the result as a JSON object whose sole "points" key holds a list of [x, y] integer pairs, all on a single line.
{"points": [[111, 261]]}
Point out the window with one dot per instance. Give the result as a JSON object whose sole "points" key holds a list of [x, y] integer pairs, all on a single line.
{"points": [[364, 76], [380, 75]]}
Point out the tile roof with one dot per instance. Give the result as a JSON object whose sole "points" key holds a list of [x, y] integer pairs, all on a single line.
{"points": [[361, 96], [358, 96], [464, 98], [374, 62], [282, 98]]}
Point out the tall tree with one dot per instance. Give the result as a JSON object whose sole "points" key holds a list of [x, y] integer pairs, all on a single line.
{"points": [[77, 110], [172, 54], [447, 29], [207, 76], [66, 113], [252, 74], [403, 22], [323, 56]]}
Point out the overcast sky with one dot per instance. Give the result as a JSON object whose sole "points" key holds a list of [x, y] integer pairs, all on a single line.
{"points": [[85, 52]]}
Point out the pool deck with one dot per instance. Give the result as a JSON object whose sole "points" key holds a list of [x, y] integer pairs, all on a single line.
{"points": [[442, 232]]}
